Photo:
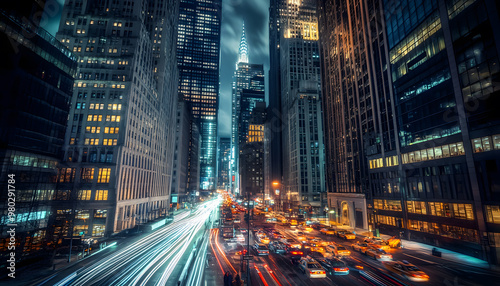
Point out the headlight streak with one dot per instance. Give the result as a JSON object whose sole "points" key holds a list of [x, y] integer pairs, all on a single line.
{"points": [[150, 252], [168, 271], [199, 265]]}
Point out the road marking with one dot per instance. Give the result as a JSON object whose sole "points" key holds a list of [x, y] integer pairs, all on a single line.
{"points": [[431, 262]]}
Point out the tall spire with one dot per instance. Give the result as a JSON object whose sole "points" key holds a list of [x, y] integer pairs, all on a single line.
{"points": [[243, 58]]}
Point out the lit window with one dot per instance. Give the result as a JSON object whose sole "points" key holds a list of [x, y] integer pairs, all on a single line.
{"points": [[104, 174], [101, 195], [84, 195]]}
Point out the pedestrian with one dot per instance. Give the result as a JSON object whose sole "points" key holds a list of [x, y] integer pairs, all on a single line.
{"points": [[229, 279], [237, 280], [225, 279]]}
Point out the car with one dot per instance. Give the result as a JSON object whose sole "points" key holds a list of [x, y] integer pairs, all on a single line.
{"points": [[338, 233], [311, 268], [307, 228], [380, 245], [327, 231], [295, 254], [261, 249], [320, 249], [360, 246], [372, 239], [406, 270], [337, 250], [378, 254], [264, 239], [240, 238], [291, 243], [317, 226], [300, 233], [243, 230], [334, 266], [277, 247], [237, 220], [347, 235]]}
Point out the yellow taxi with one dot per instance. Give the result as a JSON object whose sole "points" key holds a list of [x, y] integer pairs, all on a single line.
{"points": [[318, 249], [264, 240], [380, 245]]}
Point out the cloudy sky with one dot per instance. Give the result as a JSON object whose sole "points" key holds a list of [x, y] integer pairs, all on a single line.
{"points": [[255, 13]]}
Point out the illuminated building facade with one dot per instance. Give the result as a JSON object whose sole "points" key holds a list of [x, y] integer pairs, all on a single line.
{"points": [[248, 88], [357, 107], [431, 66], [198, 49], [444, 59], [119, 141], [36, 75], [252, 153], [302, 134], [223, 166]]}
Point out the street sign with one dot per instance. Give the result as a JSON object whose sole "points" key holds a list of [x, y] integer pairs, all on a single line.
{"points": [[247, 257]]}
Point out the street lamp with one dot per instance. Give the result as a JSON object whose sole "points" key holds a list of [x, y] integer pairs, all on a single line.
{"points": [[276, 185]]}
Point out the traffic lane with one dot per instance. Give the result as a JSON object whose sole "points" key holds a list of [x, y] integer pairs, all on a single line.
{"points": [[374, 270], [290, 274], [431, 265]]}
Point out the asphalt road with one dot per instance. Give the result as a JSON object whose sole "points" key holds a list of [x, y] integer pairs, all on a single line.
{"points": [[277, 269]]}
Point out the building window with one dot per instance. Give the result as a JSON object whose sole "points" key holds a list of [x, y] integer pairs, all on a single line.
{"points": [[101, 195], [84, 195], [80, 230], [493, 214], [87, 175], [98, 230], [100, 213], [82, 214], [66, 175], [104, 174]]}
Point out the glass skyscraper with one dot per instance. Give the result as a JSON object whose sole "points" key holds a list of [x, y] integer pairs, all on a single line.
{"points": [[198, 49], [248, 89]]}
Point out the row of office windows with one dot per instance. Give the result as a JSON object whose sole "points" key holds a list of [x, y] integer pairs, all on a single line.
{"points": [[98, 117], [86, 195], [97, 129], [114, 106], [97, 229], [451, 231], [483, 144], [67, 175], [99, 85], [455, 210], [28, 161]]}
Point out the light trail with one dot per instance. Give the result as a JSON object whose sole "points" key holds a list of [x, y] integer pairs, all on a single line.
{"points": [[138, 263], [272, 274], [222, 252], [261, 276], [215, 254]]}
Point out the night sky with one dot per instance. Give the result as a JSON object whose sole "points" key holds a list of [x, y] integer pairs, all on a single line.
{"points": [[255, 13]]}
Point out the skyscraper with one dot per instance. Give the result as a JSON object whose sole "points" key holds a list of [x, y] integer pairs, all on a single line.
{"points": [[120, 136], [36, 74], [198, 48], [248, 88], [252, 153], [274, 124], [356, 104], [444, 63], [223, 165], [302, 133]]}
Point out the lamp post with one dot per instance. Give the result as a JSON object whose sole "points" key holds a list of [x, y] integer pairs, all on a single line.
{"points": [[276, 185]]}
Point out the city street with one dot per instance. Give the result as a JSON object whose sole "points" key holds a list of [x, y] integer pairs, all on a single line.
{"points": [[277, 269], [151, 259]]}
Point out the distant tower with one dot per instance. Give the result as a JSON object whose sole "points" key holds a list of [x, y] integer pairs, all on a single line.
{"points": [[243, 53]]}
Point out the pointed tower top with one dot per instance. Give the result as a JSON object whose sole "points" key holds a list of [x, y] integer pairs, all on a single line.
{"points": [[243, 53]]}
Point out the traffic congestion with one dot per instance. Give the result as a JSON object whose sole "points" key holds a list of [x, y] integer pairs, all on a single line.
{"points": [[290, 250]]}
